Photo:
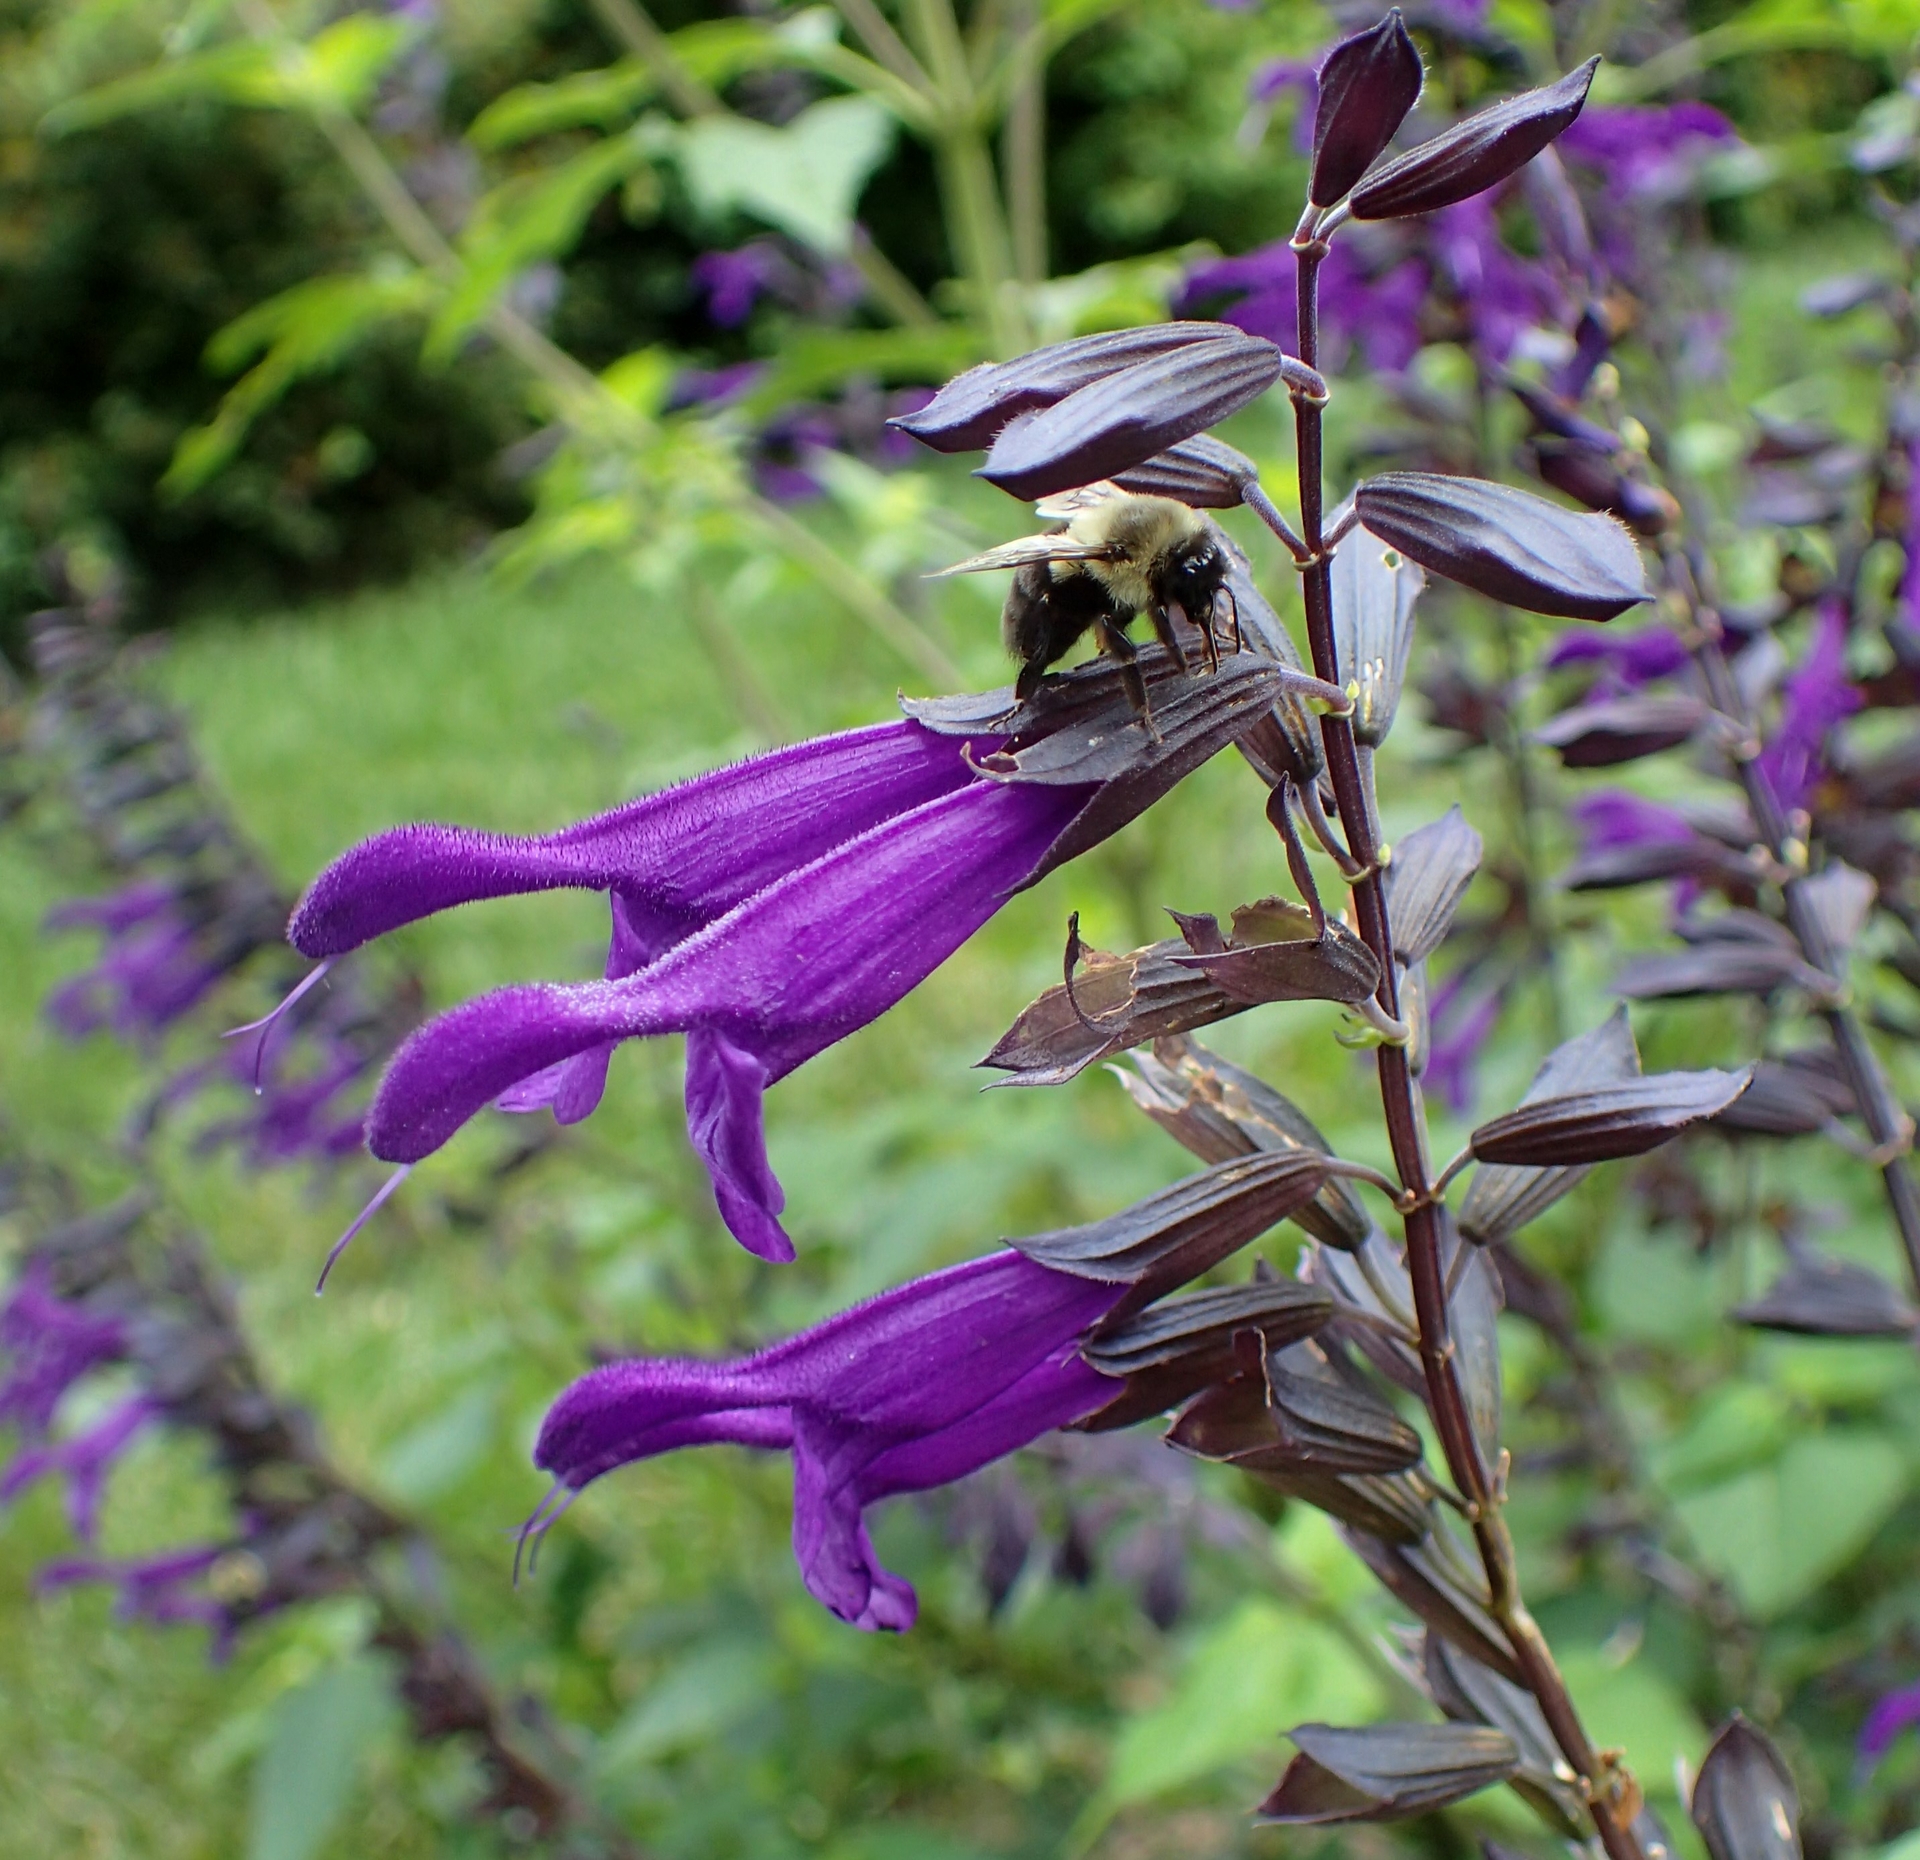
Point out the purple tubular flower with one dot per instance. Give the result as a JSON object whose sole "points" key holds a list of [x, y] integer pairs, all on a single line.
{"points": [[152, 970], [1503, 294], [1895, 1712], [766, 910], [162, 1589], [1632, 659], [50, 1343], [1909, 602], [1646, 152], [734, 280], [1461, 1026], [910, 1390], [1376, 308], [1614, 817], [1816, 698], [83, 1461]]}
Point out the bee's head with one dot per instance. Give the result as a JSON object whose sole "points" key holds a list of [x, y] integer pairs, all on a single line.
{"points": [[1195, 571]]}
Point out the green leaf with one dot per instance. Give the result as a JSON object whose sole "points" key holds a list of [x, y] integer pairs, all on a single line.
{"points": [[442, 1450], [1255, 1673], [601, 99], [1778, 1532], [303, 331], [712, 1689], [305, 1777], [805, 179], [533, 217], [343, 64], [238, 73]]}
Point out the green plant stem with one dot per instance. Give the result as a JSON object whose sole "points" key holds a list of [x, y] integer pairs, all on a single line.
{"points": [[1482, 1489], [634, 27], [886, 46], [1024, 151], [969, 191], [582, 400]]}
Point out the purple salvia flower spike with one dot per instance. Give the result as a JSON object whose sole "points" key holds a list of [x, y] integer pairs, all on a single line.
{"points": [[912, 1389]]}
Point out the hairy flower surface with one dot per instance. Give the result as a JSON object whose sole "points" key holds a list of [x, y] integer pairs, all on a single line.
{"points": [[913, 1389], [766, 911]]}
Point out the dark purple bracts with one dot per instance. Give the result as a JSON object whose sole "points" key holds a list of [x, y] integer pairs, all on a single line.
{"points": [[913, 1389]]}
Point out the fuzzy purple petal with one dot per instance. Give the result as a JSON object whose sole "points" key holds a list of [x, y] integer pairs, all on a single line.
{"points": [[682, 857], [783, 975], [912, 1389]]}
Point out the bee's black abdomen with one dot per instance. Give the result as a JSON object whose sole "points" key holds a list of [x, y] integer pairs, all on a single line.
{"points": [[1045, 614]]}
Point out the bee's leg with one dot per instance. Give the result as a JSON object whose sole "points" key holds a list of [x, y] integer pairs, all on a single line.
{"points": [[1119, 648], [1162, 618], [1233, 607], [1208, 638]]}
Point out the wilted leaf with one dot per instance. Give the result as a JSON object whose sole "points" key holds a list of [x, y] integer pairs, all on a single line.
{"points": [[1597, 736], [1475, 154], [1386, 1772], [1374, 591], [1744, 1801], [1501, 1200], [1121, 420], [1607, 1121], [1816, 1297], [1368, 83], [1216, 1110], [1507, 544], [1470, 1693], [1260, 962], [1473, 1310], [1431, 870]]}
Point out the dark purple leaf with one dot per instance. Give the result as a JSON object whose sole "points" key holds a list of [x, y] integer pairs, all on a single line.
{"points": [[1473, 1310], [1389, 1506], [1591, 478], [1793, 1096], [1817, 1297], [1182, 1344], [1744, 1801], [1618, 730], [1123, 419], [1431, 870], [1203, 472], [1890, 779], [1432, 1582], [1717, 968], [1507, 544], [1364, 1278], [1836, 296], [967, 413], [1368, 83], [1643, 862], [1607, 1121], [1374, 590], [1469, 1693], [1288, 742], [1386, 1772], [1475, 154], [1841, 900], [1502, 1200], [1173, 1236], [1218, 1111]]}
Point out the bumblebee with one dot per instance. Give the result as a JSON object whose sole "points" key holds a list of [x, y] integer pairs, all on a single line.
{"points": [[1111, 556]]}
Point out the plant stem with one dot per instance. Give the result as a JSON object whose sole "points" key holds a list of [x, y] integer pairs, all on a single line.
{"points": [[1406, 1130], [1024, 159], [634, 27], [976, 225]]}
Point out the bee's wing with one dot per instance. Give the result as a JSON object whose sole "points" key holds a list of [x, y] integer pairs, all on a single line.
{"points": [[1058, 547], [1065, 505]]}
